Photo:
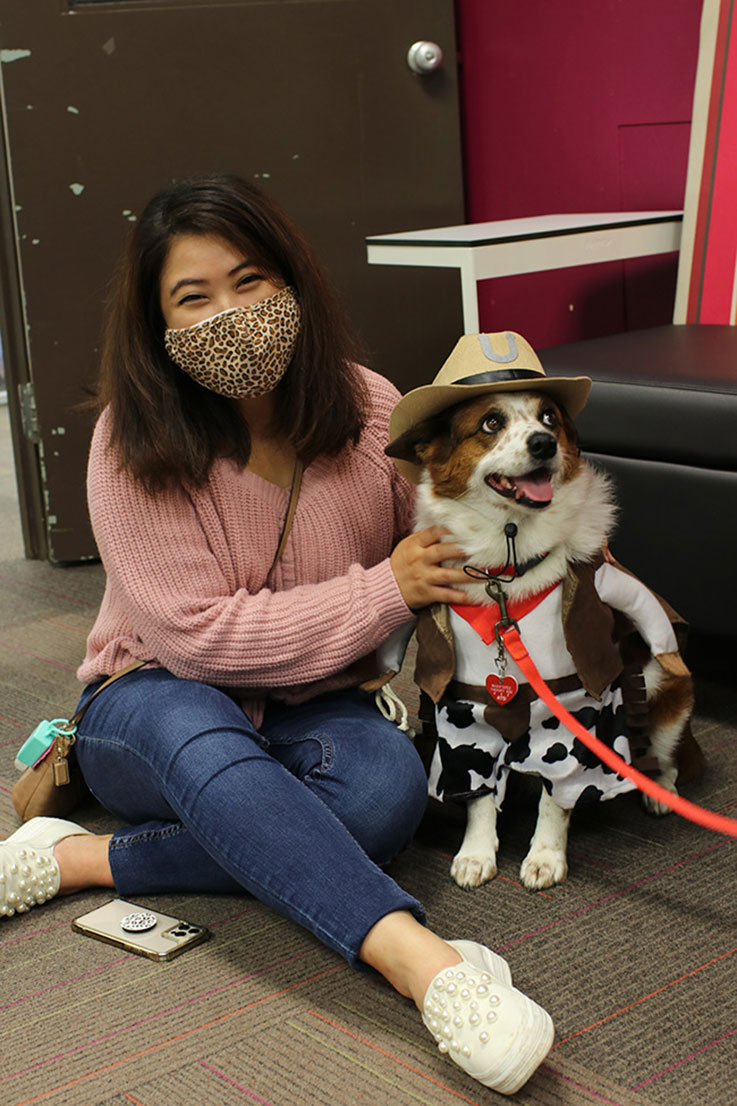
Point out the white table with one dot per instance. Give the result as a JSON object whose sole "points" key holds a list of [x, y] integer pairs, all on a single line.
{"points": [[510, 246]]}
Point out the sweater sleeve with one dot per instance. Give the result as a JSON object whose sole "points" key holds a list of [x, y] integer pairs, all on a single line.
{"points": [[172, 597], [404, 505], [385, 397]]}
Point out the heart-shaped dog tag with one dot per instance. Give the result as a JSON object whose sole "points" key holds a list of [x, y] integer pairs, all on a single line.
{"points": [[501, 689]]}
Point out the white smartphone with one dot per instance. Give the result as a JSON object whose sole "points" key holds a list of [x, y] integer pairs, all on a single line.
{"points": [[140, 930]]}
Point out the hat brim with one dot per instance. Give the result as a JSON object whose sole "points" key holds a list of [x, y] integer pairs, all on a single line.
{"points": [[430, 399]]}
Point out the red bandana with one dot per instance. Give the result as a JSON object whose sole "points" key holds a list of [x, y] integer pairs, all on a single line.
{"points": [[483, 617]]}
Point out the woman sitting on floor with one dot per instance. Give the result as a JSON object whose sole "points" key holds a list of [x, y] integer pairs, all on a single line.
{"points": [[243, 757]]}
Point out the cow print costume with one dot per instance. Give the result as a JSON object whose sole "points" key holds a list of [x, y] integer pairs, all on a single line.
{"points": [[472, 757], [479, 742]]}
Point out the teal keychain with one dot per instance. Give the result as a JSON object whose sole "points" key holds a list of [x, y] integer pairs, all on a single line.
{"points": [[37, 746]]}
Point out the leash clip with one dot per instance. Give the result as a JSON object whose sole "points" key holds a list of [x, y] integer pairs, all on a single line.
{"points": [[501, 687], [493, 588], [495, 591]]}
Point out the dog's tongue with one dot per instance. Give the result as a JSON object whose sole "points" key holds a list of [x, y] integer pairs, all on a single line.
{"points": [[535, 486]]}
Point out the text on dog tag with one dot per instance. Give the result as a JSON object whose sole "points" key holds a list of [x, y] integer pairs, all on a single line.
{"points": [[501, 689]]}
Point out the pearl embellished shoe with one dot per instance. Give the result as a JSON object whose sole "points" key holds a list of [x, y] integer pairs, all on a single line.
{"points": [[484, 960], [490, 1029], [29, 874]]}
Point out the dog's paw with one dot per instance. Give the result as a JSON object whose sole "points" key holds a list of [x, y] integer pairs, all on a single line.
{"points": [[654, 806], [471, 871], [543, 867]]}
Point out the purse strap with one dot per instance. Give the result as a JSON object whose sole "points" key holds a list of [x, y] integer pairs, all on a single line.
{"points": [[289, 517], [79, 714], [286, 527]]}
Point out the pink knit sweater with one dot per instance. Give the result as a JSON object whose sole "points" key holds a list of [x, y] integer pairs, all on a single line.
{"points": [[185, 572]]}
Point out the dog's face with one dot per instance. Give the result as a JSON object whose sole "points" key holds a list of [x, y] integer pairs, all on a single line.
{"points": [[516, 447]]}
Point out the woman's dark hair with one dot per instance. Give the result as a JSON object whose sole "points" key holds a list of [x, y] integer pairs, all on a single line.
{"points": [[165, 426]]}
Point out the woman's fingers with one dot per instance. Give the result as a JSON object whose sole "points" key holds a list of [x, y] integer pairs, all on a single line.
{"points": [[422, 578]]}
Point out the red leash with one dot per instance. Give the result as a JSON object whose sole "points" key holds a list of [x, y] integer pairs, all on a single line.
{"points": [[694, 813]]}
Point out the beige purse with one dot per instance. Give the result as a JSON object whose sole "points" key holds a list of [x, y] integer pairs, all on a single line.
{"points": [[54, 784]]}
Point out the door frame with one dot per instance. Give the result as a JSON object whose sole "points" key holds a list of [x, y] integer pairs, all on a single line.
{"points": [[24, 434]]}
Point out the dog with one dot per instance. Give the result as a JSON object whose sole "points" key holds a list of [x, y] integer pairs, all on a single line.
{"points": [[493, 447]]}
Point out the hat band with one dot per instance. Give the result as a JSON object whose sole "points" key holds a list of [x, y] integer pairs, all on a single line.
{"points": [[501, 374]]}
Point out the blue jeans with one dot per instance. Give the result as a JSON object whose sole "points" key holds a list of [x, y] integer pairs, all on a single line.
{"points": [[301, 814]]}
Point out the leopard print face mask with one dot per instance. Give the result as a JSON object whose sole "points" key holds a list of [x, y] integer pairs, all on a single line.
{"points": [[243, 351]]}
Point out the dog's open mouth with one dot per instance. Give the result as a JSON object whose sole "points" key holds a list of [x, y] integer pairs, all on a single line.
{"points": [[533, 489]]}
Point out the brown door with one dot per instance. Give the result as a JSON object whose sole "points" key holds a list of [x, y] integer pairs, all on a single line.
{"points": [[103, 102]]}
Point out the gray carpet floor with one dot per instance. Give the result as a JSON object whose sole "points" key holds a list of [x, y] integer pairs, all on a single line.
{"points": [[634, 955]]}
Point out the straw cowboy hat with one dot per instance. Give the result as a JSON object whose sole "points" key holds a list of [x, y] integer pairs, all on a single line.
{"points": [[480, 364]]}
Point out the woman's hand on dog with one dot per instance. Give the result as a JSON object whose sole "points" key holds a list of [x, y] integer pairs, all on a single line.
{"points": [[419, 572]]}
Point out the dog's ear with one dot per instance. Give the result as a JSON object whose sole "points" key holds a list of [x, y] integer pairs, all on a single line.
{"points": [[413, 445], [569, 427]]}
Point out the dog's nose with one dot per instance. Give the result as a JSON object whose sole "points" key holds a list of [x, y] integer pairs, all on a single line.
{"points": [[541, 446]]}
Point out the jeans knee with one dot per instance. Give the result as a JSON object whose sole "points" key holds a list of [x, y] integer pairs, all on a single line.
{"points": [[408, 779], [394, 802]]}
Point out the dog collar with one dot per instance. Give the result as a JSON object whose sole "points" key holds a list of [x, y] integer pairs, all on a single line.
{"points": [[512, 569], [518, 570], [512, 564]]}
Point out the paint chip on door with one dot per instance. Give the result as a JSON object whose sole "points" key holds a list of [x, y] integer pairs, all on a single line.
{"points": [[6, 56]]}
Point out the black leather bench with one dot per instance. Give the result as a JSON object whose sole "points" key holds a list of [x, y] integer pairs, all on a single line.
{"points": [[662, 419]]}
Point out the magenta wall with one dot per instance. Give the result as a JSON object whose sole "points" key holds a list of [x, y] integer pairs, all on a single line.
{"points": [[583, 105]]}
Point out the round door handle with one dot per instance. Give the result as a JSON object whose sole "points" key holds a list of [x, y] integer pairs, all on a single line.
{"points": [[424, 57]]}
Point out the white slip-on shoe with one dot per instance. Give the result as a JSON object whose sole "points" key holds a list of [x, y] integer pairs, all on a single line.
{"points": [[484, 960], [491, 1030], [29, 874]]}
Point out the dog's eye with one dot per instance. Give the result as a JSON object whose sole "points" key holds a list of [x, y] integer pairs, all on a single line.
{"points": [[549, 418], [492, 424]]}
